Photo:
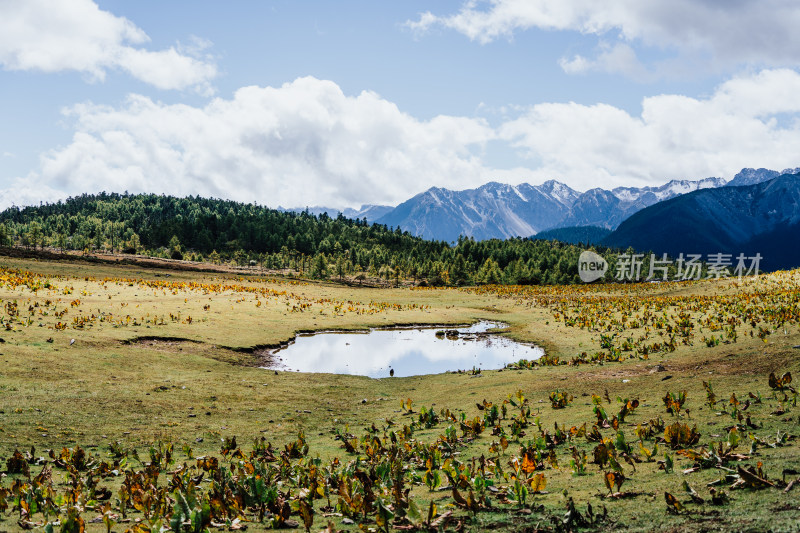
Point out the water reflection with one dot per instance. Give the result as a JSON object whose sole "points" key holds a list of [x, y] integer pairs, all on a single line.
{"points": [[408, 352]]}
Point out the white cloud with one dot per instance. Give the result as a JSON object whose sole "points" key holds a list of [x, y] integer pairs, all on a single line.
{"points": [[58, 35], [307, 143], [28, 191], [674, 137], [617, 58], [733, 32], [304, 143]]}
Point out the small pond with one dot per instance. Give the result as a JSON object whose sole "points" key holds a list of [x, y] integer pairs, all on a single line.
{"points": [[407, 351]]}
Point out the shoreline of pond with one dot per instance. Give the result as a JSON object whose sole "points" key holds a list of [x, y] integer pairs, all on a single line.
{"points": [[490, 332]]}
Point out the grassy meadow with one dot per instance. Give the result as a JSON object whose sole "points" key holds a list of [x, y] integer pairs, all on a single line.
{"points": [[652, 410]]}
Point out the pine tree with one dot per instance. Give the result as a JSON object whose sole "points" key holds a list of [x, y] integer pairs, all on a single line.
{"points": [[319, 268]]}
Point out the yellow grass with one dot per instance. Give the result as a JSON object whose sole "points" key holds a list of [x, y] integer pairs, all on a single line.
{"points": [[194, 380]]}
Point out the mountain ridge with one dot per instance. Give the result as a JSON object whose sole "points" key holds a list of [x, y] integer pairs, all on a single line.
{"points": [[497, 210], [745, 219], [753, 176]]}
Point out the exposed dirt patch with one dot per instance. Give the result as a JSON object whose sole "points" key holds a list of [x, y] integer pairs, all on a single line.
{"points": [[118, 259], [165, 344], [494, 309], [252, 357], [183, 265]]}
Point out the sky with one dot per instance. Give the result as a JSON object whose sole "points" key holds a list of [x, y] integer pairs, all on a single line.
{"points": [[339, 104]]}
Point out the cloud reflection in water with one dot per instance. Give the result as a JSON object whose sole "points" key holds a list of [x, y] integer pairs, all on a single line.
{"points": [[409, 352]]}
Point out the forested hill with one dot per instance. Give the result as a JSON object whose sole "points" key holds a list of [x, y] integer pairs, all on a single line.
{"points": [[202, 229]]}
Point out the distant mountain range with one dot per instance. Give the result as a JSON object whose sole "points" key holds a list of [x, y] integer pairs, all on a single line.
{"points": [[497, 210], [761, 218], [368, 211], [494, 210], [607, 209], [752, 176]]}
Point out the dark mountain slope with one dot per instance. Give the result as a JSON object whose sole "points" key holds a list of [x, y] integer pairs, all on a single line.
{"points": [[575, 234], [729, 220]]}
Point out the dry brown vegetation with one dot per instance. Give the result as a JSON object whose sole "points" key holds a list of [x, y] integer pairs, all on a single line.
{"points": [[654, 408]]}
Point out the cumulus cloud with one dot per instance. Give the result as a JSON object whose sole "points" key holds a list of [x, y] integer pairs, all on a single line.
{"points": [[307, 143], [58, 35], [303, 143], [749, 121], [734, 32], [28, 191]]}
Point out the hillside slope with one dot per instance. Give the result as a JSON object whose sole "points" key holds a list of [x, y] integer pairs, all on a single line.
{"points": [[762, 218]]}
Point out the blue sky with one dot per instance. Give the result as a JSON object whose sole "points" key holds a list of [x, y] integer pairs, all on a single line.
{"points": [[345, 103]]}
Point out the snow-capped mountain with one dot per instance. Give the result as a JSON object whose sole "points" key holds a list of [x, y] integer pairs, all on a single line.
{"points": [[559, 192], [607, 209], [494, 210], [763, 218], [666, 191], [369, 211], [751, 176], [497, 210]]}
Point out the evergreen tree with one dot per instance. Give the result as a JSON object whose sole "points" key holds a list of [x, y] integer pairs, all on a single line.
{"points": [[223, 230], [319, 268]]}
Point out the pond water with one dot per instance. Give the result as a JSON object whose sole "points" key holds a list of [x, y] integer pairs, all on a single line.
{"points": [[409, 352]]}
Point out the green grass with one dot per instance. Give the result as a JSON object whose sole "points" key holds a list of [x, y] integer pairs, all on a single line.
{"points": [[106, 387]]}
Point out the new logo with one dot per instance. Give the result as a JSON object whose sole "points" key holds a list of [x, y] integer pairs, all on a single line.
{"points": [[591, 266]]}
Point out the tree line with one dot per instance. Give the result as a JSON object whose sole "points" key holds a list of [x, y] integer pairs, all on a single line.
{"points": [[223, 231]]}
